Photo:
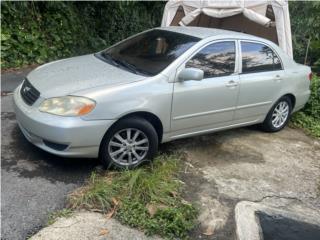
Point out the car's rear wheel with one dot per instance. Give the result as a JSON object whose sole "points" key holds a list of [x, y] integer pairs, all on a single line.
{"points": [[129, 143], [278, 116]]}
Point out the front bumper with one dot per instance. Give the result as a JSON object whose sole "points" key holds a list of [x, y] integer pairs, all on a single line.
{"points": [[81, 138]]}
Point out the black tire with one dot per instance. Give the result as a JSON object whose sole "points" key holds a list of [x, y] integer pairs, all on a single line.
{"points": [[135, 123], [267, 125]]}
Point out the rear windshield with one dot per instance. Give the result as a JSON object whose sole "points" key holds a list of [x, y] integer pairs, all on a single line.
{"points": [[148, 53]]}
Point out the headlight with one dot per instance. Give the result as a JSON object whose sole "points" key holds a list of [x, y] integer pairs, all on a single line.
{"points": [[67, 106]]}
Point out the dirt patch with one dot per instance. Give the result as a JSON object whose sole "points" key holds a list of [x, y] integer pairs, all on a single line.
{"points": [[216, 218], [203, 156], [211, 150]]}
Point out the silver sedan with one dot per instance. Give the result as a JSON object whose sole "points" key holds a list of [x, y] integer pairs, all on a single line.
{"points": [[158, 86]]}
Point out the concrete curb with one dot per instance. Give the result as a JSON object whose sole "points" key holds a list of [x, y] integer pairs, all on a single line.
{"points": [[89, 225]]}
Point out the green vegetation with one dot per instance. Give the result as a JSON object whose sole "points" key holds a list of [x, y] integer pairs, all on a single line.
{"points": [[305, 27], [58, 214], [148, 198], [38, 32], [309, 117]]}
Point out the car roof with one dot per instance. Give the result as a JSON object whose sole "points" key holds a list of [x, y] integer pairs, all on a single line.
{"points": [[202, 32]]}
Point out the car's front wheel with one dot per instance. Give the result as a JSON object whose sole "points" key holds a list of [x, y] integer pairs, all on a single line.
{"points": [[278, 116], [129, 143]]}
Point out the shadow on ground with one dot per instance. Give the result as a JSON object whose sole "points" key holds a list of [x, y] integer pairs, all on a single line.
{"points": [[29, 161]]}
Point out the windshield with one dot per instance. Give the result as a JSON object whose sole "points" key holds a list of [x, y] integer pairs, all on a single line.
{"points": [[148, 53]]}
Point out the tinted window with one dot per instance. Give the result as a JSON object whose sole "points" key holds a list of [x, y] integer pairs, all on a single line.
{"points": [[217, 59], [258, 58], [149, 53]]}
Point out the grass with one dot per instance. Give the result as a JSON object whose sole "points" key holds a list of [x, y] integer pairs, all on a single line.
{"points": [[148, 198], [58, 214], [309, 117], [308, 123]]}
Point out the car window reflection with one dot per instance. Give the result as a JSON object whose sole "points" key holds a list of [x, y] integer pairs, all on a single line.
{"points": [[257, 57], [217, 59]]}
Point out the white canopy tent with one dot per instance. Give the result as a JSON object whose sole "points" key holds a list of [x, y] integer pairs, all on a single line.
{"points": [[264, 18]]}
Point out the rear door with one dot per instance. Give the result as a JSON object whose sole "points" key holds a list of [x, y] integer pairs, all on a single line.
{"points": [[211, 101], [260, 79]]}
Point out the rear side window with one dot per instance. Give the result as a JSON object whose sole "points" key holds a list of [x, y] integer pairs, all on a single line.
{"points": [[217, 59], [258, 57]]}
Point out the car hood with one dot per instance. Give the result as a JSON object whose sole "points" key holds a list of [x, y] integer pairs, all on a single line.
{"points": [[70, 75]]}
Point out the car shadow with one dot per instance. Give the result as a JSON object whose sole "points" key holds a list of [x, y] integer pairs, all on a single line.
{"points": [[23, 158], [26, 160]]}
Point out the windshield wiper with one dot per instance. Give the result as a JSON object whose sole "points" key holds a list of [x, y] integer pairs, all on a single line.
{"points": [[108, 58], [131, 67], [127, 65], [121, 63], [118, 63]]}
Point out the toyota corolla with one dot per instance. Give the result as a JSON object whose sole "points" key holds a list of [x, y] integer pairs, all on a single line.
{"points": [[157, 86]]}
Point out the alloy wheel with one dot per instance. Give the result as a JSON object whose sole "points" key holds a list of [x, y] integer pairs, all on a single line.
{"points": [[128, 147], [280, 114]]}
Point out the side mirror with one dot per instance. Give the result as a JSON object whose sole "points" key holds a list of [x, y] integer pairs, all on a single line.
{"points": [[187, 74]]}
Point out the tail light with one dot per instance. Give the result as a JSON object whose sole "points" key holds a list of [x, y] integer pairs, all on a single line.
{"points": [[310, 76]]}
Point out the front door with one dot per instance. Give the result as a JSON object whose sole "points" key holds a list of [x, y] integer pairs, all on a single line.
{"points": [[200, 105]]}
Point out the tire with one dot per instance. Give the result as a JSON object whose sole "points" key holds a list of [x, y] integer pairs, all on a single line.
{"points": [[119, 150], [270, 124]]}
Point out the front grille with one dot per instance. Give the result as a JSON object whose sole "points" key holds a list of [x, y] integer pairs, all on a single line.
{"points": [[28, 93]]}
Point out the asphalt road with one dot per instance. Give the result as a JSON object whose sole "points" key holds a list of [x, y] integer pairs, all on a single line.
{"points": [[33, 183]]}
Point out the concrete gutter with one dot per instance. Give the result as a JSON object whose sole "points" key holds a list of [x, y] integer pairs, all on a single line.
{"points": [[248, 224]]}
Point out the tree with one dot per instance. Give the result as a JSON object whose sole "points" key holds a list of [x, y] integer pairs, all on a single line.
{"points": [[305, 27]]}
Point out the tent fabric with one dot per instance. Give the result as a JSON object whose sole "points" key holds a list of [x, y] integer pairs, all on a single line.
{"points": [[222, 13], [253, 10]]}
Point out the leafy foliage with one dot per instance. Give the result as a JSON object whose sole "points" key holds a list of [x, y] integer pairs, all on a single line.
{"points": [[305, 24], [38, 32], [312, 108], [148, 198], [309, 117]]}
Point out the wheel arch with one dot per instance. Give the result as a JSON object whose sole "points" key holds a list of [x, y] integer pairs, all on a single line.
{"points": [[148, 116], [292, 98]]}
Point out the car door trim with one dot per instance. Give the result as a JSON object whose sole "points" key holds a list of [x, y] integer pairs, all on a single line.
{"points": [[204, 113], [213, 129], [253, 105], [220, 110]]}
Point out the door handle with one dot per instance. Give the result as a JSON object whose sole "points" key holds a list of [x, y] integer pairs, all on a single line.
{"points": [[231, 84]]}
